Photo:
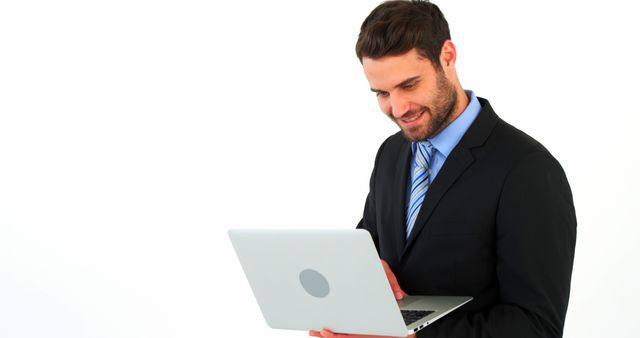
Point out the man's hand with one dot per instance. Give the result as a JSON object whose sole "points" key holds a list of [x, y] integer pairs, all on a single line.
{"points": [[328, 334], [397, 291], [395, 287]]}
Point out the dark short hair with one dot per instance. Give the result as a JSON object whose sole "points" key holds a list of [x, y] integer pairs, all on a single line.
{"points": [[395, 27]]}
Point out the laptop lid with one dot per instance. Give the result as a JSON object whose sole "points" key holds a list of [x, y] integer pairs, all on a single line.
{"points": [[315, 279]]}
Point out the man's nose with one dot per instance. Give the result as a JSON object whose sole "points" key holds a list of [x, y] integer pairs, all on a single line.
{"points": [[399, 105]]}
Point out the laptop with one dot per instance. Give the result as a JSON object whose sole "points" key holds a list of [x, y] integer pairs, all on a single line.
{"points": [[333, 279]]}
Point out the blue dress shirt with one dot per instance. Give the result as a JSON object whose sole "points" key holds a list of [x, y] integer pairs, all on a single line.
{"points": [[447, 139]]}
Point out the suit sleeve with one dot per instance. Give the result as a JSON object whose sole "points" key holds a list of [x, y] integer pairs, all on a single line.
{"points": [[535, 242], [368, 221]]}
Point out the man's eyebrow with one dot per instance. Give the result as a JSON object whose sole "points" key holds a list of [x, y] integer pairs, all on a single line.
{"points": [[401, 84]]}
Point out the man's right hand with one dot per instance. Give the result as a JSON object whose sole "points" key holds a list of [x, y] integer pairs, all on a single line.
{"points": [[395, 287]]}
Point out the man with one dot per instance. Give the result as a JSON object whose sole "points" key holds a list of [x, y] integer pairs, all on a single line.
{"points": [[460, 202]]}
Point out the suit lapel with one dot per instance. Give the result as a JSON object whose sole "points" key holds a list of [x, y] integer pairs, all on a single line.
{"points": [[455, 165], [400, 194]]}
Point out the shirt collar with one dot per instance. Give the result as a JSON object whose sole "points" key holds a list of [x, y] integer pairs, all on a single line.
{"points": [[448, 138]]}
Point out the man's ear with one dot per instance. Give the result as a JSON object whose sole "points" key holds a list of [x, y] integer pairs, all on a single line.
{"points": [[448, 54]]}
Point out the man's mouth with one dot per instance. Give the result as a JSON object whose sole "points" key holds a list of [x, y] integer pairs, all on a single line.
{"points": [[412, 118]]}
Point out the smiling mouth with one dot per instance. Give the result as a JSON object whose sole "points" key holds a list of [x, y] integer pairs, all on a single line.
{"points": [[414, 117]]}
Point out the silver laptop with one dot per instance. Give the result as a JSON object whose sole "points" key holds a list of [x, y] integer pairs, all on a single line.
{"points": [[333, 279]]}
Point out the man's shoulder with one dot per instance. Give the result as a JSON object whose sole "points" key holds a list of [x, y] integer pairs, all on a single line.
{"points": [[504, 137], [513, 140], [508, 146]]}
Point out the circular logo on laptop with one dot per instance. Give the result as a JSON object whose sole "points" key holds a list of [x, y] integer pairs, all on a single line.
{"points": [[314, 283]]}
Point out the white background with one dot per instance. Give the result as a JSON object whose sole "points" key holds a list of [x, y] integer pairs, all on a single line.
{"points": [[133, 134]]}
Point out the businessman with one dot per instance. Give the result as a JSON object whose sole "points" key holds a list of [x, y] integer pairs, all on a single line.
{"points": [[461, 202]]}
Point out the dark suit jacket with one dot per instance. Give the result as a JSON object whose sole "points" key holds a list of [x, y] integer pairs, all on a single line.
{"points": [[497, 223]]}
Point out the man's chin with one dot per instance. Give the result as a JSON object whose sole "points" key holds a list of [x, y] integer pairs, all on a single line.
{"points": [[415, 134]]}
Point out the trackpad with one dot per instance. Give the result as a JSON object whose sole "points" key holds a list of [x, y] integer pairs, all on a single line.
{"points": [[407, 301]]}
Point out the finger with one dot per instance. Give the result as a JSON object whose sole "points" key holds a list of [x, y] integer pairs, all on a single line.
{"points": [[314, 334], [397, 290], [393, 281], [329, 334]]}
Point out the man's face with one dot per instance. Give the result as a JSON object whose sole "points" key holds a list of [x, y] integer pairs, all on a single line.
{"points": [[416, 96]]}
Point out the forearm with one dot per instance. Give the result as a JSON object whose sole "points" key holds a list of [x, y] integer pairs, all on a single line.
{"points": [[501, 321]]}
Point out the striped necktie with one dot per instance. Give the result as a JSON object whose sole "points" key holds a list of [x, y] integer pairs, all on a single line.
{"points": [[420, 181]]}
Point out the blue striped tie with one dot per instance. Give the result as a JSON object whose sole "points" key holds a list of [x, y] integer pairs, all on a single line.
{"points": [[421, 180]]}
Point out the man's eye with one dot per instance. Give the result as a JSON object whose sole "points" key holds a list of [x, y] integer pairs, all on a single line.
{"points": [[409, 86], [382, 94]]}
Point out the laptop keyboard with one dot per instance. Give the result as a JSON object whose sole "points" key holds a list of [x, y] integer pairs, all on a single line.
{"points": [[411, 316]]}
